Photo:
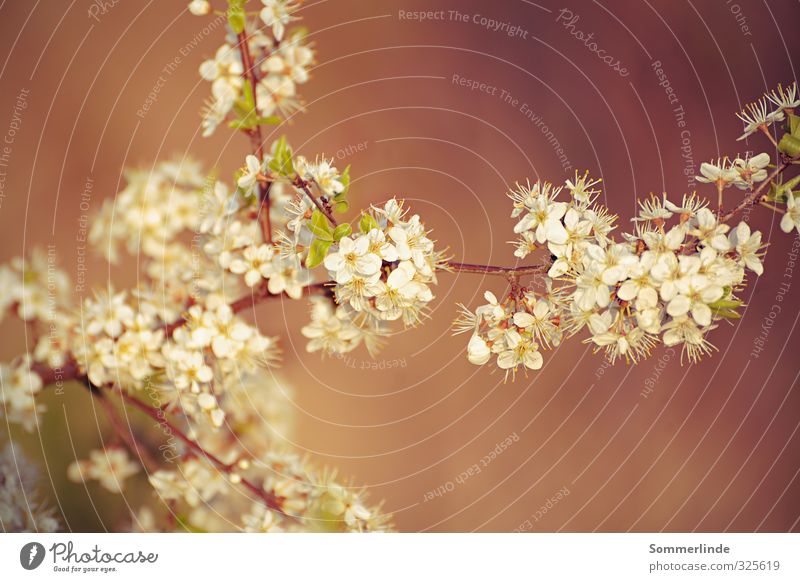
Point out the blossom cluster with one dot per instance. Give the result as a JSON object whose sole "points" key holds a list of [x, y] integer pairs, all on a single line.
{"points": [[34, 288], [22, 505], [760, 115], [190, 369], [386, 269], [178, 343], [740, 172], [20, 386], [669, 280], [280, 63], [337, 329], [214, 501], [111, 467], [155, 206]]}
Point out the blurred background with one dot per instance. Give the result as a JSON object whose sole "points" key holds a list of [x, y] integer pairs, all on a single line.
{"points": [[660, 446]]}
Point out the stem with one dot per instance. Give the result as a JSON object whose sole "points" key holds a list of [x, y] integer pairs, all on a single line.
{"points": [[249, 76], [303, 185], [765, 130], [264, 211], [757, 194], [269, 499], [772, 207], [259, 294], [256, 138], [127, 436], [499, 271]]}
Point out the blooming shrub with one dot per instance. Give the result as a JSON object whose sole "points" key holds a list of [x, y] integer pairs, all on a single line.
{"points": [[177, 349]]}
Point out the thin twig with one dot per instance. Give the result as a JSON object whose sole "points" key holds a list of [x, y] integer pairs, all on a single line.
{"points": [[122, 432], [303, 185], [258, 295], [256, 138], [757, 194], [772, 207], [270, 499], [495, 270], [264, 211], [248, 74], [765, 130]]}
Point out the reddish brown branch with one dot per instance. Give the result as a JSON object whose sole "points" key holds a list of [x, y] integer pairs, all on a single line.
{"points": [[323, 207], [500, 271], [757, 195], [248, 74], [259, 294], [256, 138], [270, 500], [264, 211], [123, 432]]}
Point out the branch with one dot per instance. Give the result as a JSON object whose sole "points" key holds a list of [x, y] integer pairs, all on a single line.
{"points": [[303, 185], [264, 211], [258, 295], [757, 194], [249, 76], [499, 271], [256, 138], [270, 499], [119, 428]]}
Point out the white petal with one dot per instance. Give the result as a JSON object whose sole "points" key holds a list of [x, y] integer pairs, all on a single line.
{"points": [[533, 360], [679, 305], [523, 319]]}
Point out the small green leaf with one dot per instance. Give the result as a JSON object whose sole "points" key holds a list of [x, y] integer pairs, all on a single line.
{"points": [[300, 32], [319, 226], [240, 124], [342, 231], [727, 314], [780, 192], [249, 98], [184, 523], [271, 120], [367, 223], [794, 125], [344, 178], [236, 15], [240, 108], [790, 145], [317, 252], [281, 162], [726, 304], [341, 206]]}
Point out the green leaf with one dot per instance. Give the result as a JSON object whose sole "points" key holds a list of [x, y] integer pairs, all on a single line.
{"points": [[281, 162], [780, 192], [240, 108], [184, 523], [790, 145], [794, 124], [240, 124], [320, 227], [236, 15], [367, 223], [344, 178], [317, 252], [726, 304], [342, 231], [249, 98], [341, 206], [300, 32], [727, 314], [271, 120]]}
